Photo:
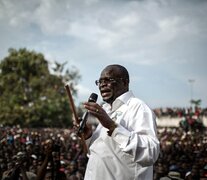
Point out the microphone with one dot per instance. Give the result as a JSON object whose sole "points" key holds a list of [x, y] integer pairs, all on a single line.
{"points": [[93, 98]]}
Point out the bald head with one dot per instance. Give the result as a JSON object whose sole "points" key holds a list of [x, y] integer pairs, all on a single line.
{"points": [[118, 71]]}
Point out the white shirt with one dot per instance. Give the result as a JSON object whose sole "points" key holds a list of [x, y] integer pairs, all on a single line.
{"points": [[130, 152]]}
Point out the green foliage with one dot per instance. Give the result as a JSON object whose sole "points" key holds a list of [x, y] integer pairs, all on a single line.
{"points": [[30, 95], [196, 103]]}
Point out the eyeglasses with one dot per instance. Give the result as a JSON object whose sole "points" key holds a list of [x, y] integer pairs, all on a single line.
{"points": [[107, 81]]}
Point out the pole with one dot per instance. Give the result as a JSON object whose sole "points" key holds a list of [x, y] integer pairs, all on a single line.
{"points": [[191, 81], [72, 106]]}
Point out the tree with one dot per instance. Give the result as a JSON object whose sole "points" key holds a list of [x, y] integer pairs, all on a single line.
{"points": [[196, 103], [30, 95]]}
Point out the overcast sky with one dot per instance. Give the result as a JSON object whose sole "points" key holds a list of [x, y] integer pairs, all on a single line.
{"points": [[162, 43]]}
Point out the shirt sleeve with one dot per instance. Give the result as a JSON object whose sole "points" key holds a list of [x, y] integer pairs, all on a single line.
{"points": [[140, 139]]}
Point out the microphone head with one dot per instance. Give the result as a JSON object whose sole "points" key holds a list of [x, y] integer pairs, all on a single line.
{"points": [[93, 97]]}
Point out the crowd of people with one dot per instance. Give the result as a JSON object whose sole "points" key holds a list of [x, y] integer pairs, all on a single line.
{"points": [[57, 154], [41, 154], [174, 112], [183, 154], [183, 148]]}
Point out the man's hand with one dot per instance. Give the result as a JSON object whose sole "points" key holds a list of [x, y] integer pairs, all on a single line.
{"points": [[87, 131], [100, 114]]}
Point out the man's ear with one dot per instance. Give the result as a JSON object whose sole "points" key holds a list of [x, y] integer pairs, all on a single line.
{"points": [[126, 82]]}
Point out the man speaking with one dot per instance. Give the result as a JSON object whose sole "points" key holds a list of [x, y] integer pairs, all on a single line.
{"points": [[124, 145]]}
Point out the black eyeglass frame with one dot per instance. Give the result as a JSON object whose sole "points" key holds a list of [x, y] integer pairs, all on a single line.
{"points": [[107, 81]]}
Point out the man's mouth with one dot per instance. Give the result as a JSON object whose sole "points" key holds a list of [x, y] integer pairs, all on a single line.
{"points": [[105, 93]]}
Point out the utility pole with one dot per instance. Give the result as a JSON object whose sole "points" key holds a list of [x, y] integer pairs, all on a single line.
{"points": [[191, 81]]}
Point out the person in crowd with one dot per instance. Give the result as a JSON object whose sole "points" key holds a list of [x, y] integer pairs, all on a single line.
{"points": [[124, 145]]}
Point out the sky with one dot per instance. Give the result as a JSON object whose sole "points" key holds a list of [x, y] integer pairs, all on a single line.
{"points": [[162, 43]]}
